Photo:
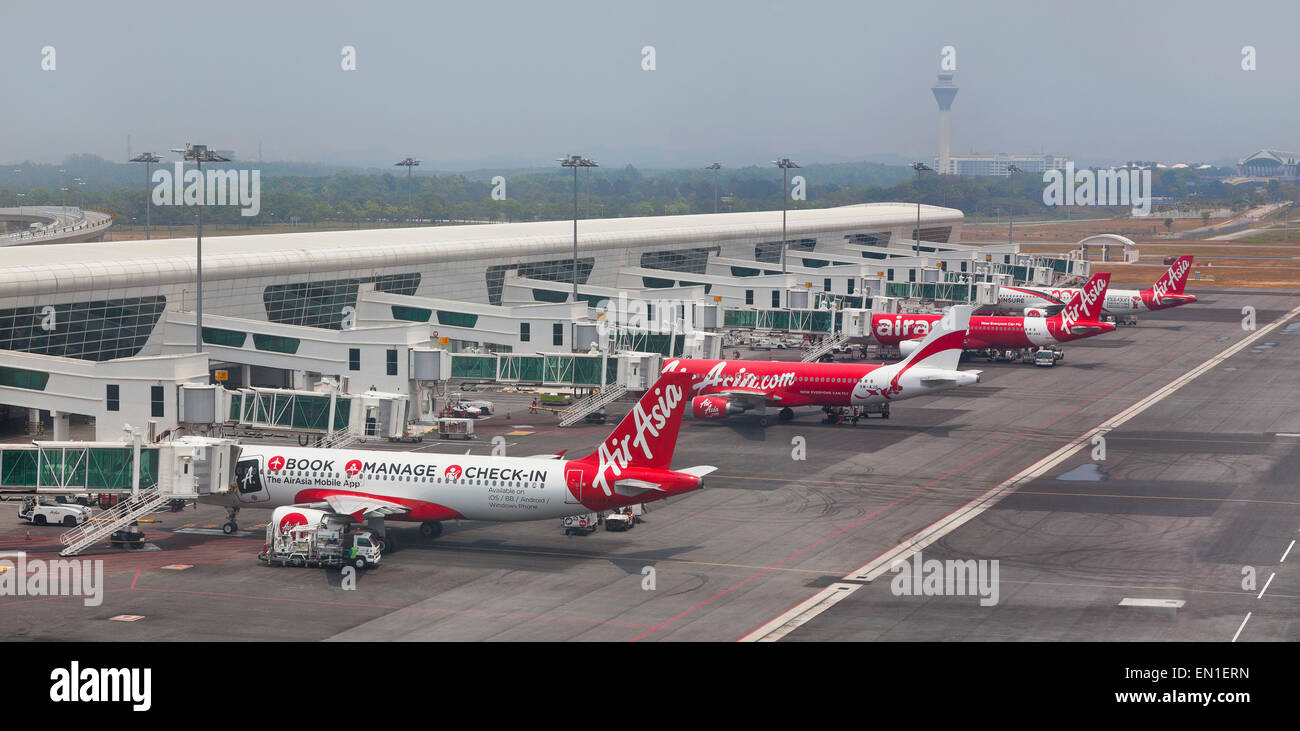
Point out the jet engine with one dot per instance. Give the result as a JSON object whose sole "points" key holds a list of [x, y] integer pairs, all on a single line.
{"points": [[713, 407]]}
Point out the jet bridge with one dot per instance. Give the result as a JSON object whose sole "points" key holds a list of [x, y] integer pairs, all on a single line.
{"points": [[149, 476]]}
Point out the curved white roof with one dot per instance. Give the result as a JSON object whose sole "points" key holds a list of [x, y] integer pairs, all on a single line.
{"points": [[108, 265]]}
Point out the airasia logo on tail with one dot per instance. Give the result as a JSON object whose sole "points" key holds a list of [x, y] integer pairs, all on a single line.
{"points": [[1172, 281], [615, 455], [1084, 305]]}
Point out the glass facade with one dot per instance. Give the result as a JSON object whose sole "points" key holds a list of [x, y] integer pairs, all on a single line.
{"points": [[556, 270], [95, 330], [320, 304], [694, 261]]}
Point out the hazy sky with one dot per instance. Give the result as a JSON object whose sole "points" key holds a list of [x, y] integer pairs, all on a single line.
{"points": [[519, 83]]}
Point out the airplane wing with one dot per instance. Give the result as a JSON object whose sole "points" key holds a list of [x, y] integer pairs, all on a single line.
{"points": [[747, 398], [360, 508], [754, 398]]}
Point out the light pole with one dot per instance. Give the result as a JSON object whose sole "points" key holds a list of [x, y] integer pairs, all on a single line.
{"points": [[575, 162], [408, 163], [148, 158], [199, 154], [1011, 222], [785, 164], [919, 167], [715, 167]]}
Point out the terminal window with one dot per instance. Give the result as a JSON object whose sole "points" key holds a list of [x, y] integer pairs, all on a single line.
{"points": [[524, 332], [749, 296], [320, 304], [392, 362], [354, 359], [156, 401], [776, 298], [111, 397], [96, 330], [694, 261], [557, 334], [770, 251], [557, 270]]}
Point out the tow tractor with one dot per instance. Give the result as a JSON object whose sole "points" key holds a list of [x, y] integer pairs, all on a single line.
{"points": [[308, 537], [624, 518], [34, 510]]}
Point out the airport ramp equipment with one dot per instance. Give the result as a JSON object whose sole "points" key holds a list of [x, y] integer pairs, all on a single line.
{"points": [[108, 522], [827, 345], [581, 408]]}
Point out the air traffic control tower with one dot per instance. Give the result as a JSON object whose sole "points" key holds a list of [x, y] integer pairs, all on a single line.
{"points": [[944, 92]]}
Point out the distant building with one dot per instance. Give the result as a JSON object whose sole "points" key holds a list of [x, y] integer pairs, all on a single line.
{"points": [[1266, 163], [997, 165]]}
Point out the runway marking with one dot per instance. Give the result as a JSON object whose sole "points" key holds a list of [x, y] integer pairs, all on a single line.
{"points": [[811, 607], [1287, 552], [1266, 583], [945, 525], [1153, 603], [1286, 434], [1243, 626]]}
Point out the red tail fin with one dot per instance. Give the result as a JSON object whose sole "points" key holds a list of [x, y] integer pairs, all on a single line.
{"points": [[1086, 305], [1173, 281], [647, 436]]}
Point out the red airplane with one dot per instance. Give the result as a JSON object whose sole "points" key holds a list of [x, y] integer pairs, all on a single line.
{"points": [[721, 388], [1077, 319], [1165, 293]]}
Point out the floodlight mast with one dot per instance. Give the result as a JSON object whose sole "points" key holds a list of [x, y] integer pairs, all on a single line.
{"points": [[199, 154], [148, 158], [715, 167], [408, 163], [575, 162], [785, 164], [919, 167]]}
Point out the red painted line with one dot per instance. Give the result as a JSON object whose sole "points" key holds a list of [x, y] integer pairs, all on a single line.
{"points": [[137, 577], [922, 488]]}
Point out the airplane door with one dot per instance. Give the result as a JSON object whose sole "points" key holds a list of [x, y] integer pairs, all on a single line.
{"points": [[574, 480], [249, 484]]}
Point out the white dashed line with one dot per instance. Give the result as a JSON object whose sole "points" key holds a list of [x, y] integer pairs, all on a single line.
{"points": [[1266, 583], [1288, 551], [1243, 626], [813, 606]]}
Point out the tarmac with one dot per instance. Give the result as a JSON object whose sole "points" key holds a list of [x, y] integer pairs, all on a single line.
{"points": [[1188, 511]]}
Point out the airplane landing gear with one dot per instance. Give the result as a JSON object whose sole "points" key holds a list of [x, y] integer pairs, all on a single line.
{"points": [[764, 420], [430, 529], [786, 414], [231, 526]]}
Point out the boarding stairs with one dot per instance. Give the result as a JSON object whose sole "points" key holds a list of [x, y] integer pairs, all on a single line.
{"points": [[581, 408], [106, 523], [338, 440], [825, 346]]}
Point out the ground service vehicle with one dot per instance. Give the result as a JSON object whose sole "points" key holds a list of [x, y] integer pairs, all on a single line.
{"points": [[307, 537], [41, 513], [581, 525]]}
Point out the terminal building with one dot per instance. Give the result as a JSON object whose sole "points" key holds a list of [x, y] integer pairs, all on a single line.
{"points": [[108, 330]]}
